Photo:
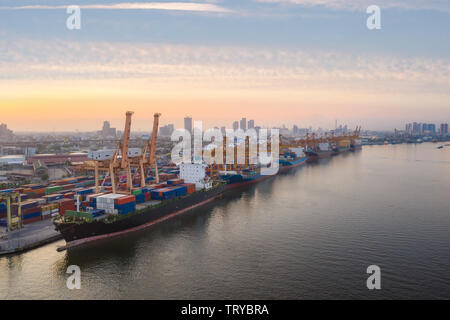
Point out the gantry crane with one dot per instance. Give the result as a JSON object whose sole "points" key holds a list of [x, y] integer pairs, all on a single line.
{"points": [[146, 162], [113, 165]]}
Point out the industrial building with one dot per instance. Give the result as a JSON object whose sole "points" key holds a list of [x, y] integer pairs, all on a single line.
{"points": [[12, 159], [53, 159]]}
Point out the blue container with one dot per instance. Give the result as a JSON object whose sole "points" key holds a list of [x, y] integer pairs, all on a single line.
{"points": [[39, 186], [32, 215], [85, 191], [96, 212], [180, 191], [140, 198], [125, 208], [29, 205]]}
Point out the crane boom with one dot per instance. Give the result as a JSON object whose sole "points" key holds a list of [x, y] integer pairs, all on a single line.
{"points": [[151, 159], [126, 140]]}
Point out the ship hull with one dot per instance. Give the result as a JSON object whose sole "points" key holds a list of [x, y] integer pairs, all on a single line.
{"points": [[314, 156], [72, 231], [355, 147]]}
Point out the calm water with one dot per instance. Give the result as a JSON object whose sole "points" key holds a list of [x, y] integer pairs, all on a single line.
{"points": [[310, 233]]}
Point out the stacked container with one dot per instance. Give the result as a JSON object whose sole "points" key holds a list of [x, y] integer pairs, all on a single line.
{"points": [[174, 182], [180, 191], [106, 202], [50, 210], [125, 204], [66, 204], [52, 189], [190, 187], [53, 197], [163, 194], [30, 209]]}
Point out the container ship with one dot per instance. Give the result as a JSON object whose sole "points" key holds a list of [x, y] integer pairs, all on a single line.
{"points": [[322, 150], [292, 158], [355, 145], [109, 214]]}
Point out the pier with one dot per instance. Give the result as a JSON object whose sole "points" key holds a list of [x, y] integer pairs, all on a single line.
{"points": [[33, 235]]}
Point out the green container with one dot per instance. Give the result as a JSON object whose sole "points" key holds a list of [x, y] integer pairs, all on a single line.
{"points": [[50, 190], [137, 192], [79, 214]]}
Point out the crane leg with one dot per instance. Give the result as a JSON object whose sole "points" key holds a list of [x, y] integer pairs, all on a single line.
{"points": [[113, 178], [141, 163]]}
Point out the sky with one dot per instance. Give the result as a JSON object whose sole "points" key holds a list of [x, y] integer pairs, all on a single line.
{"points": [[303, 62]]}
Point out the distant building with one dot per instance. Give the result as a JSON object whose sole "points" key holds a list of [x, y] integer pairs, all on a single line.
{"points": [[107, 131], [235, 125], [243, 124], [52, 159], [188, 124], [444, 129], [29, 152], [251, 124], [416, 128], [5, 132], [12, 159], [223, 130], [166, 130]]}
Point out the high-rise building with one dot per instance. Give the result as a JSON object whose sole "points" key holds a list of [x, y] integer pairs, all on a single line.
{"points": [[243, 125], [107, 131], [223, 130], [432, 128], [423, 128], [235, 125], [5, 133], [188, 124], [166, 130], [408, 128], [251, 124], [444, 129]]}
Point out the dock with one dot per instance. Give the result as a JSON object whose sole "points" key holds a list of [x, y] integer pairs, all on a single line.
{"points": [[33, 235]]}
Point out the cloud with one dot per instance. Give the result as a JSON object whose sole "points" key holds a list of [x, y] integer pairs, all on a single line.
{"points": [[361, 5], [229, 66], [176, 6]]}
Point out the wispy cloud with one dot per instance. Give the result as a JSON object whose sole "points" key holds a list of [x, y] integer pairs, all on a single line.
{"points": [[361, 5], [176, 6], [237, 66]]}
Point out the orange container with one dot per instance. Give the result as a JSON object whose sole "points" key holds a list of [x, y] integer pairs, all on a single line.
{"points": [[124, 200]]}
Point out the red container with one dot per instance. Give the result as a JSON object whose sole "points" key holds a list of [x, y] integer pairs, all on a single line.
{"points": [[66, 204], [125, 199], [31, 210], [147, 196], [158, 186], [31, 220], [190, 187], [68, 186], [69, 195], [174, 182]]}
